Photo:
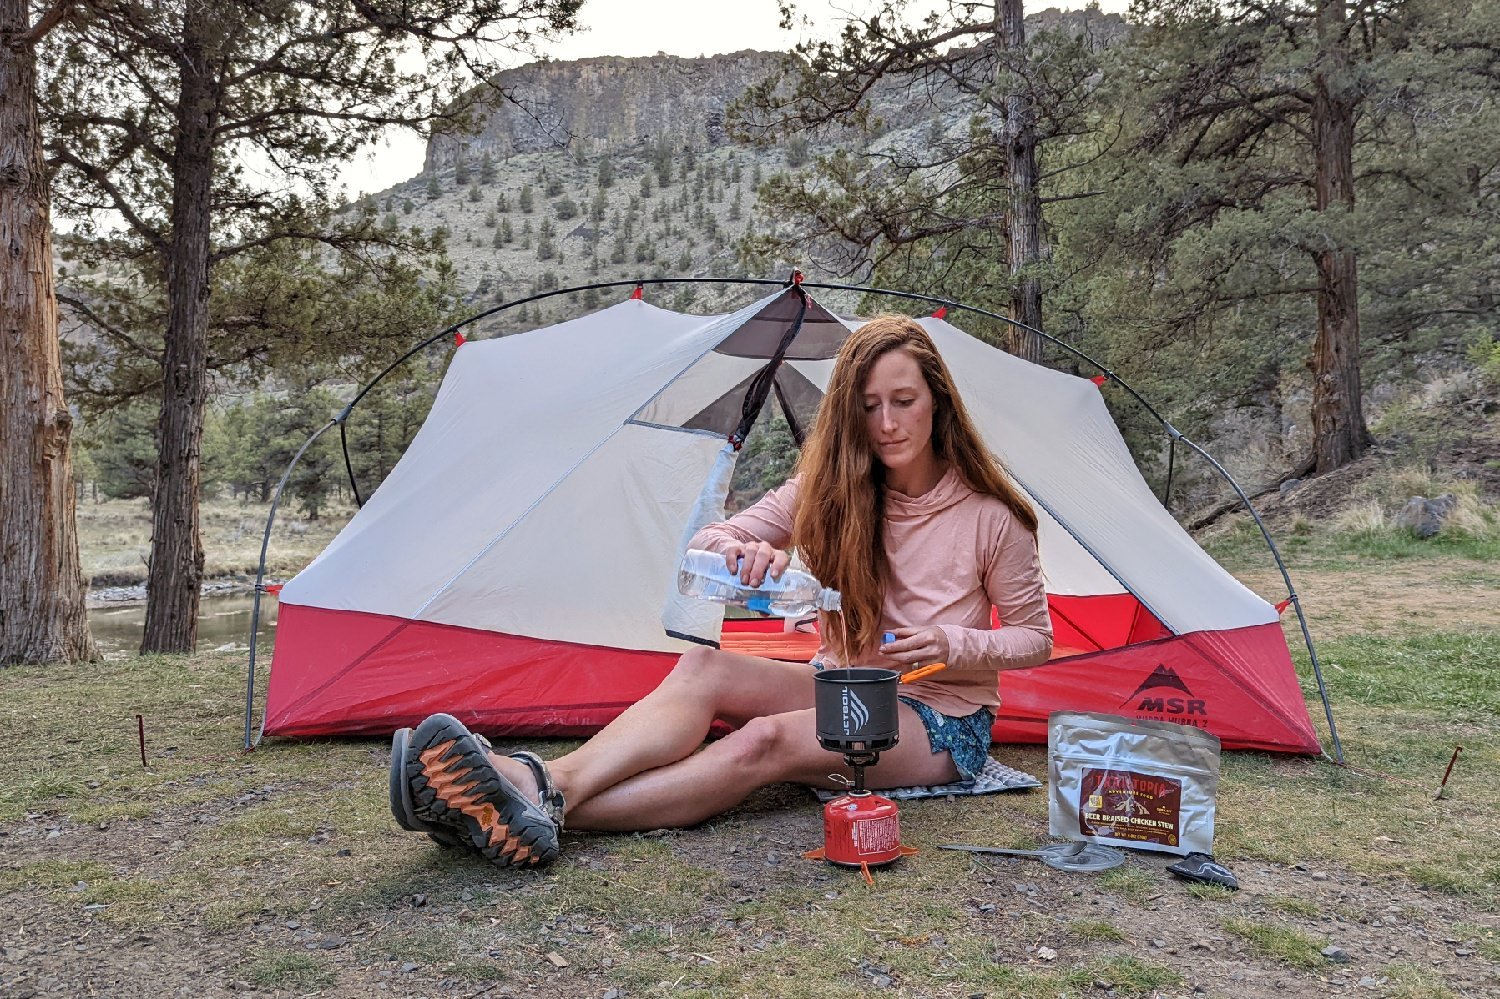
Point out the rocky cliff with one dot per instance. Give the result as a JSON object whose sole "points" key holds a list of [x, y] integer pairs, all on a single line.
{"points": [[608, 103], [615, 104]]}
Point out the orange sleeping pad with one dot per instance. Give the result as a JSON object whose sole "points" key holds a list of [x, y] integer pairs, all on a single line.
{"points": [[768, 639]]}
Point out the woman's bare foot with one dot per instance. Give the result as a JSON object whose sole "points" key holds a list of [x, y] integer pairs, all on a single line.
{"points": [[518, 774]]}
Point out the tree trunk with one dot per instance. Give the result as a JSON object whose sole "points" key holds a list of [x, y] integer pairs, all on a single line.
{"points": [[176, 573], [42, 609], [1024, 221], [1339, 432]]}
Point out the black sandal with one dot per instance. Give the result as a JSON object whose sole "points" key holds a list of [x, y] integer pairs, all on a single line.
{"points": [[553, 802], [455, 786]]}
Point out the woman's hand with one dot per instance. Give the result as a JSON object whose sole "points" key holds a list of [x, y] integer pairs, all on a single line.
{"points": [[754, 560], [915, 647]]}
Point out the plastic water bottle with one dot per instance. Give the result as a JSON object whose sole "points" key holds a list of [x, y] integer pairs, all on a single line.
{"points": [[796, 594]]}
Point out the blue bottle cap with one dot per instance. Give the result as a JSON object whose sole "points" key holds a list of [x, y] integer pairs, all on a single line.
{"points": [[887, 638]]}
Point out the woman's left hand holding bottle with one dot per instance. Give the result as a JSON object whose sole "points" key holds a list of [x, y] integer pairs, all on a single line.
{"points": [[753, 561]]}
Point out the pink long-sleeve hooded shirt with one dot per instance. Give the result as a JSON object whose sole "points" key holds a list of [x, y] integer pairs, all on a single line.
{"points": [[953, 553]]}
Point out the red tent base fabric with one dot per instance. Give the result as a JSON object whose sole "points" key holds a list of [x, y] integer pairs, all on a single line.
{"points": [[340, 672]]}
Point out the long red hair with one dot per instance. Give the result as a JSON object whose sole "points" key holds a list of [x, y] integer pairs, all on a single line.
{"points": [[839, 529]]}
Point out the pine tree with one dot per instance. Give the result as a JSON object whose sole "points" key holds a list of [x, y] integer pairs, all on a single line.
{"points": [[150, 109], [42, 599], [1274, 102], [968, 61]]}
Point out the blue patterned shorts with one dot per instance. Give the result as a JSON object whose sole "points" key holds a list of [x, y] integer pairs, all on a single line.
{"points": [[967, 739]]}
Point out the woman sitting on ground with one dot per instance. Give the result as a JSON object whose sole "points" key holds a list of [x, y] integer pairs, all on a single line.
{"points": [[898, 505]]}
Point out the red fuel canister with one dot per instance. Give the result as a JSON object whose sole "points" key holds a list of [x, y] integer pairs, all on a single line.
{"points": [[861, 830]]}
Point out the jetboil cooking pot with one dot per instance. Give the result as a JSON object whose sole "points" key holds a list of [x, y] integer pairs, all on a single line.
{"points": [[856, 709]]}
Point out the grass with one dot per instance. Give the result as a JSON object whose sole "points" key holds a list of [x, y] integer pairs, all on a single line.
{"points": [[1280, 943], [1211, 893], [114, 538], [1243, 545], [1486, 939], [210, 843], [288, 969], [1365, 528], [1293, 906], [1448, 670], [1410, 981], [1095, 931], [1130, 881]]}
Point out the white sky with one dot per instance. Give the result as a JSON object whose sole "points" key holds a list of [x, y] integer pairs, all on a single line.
{"points": [[646, 27]]}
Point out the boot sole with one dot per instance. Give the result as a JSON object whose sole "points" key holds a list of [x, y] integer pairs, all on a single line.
{"points": [[400, 792], [454, 786]]}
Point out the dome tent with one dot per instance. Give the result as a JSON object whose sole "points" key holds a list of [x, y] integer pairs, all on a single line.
{"points": [[513, 567]]}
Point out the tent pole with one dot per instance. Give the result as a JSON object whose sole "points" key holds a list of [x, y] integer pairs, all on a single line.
{"points": [[638, 283], [349, 465], [1166, 492], [1296, 602], [260, 579]]}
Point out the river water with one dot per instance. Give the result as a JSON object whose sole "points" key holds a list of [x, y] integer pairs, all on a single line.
{"points": [[222, 621]]}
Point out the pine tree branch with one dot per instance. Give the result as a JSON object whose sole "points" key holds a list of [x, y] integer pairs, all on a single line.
{"points": [[118, 201], [105, 327], [139, 138], [50, 19]]}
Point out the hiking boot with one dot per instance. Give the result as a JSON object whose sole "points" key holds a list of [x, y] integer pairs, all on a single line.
{"points": [[455, 787], [400, 791]]}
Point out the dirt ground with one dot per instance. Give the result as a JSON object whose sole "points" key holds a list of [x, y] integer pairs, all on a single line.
{"points": [[1393, 940], [280, 873], [1458, 595]]}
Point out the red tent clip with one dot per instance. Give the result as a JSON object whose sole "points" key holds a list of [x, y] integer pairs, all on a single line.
{"points": [[941, 313], [459, 339], [1281, 607], [1099, 379], [639, 293]]}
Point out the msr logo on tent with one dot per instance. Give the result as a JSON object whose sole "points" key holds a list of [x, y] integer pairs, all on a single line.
{"points": [[1185, 710]]}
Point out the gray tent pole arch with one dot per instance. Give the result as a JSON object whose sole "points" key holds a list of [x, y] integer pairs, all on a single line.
{"points": [[1174, 435]]}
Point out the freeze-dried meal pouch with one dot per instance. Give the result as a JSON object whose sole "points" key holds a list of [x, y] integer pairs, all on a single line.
{"points": [[1150, 785]]}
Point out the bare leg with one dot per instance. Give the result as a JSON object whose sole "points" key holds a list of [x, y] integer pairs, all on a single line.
{"points": [[767, 750], [671, 722]]}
